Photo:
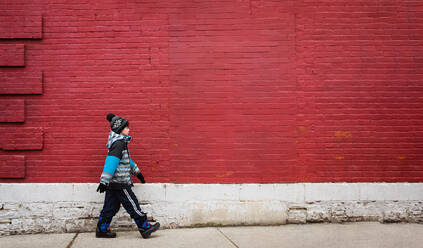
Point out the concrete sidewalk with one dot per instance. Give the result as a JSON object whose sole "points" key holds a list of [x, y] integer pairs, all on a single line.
{"points": [[364, 234]]}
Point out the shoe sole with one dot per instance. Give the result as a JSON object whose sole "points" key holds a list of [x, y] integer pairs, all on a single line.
{"points": [[147, 234], [104, 236]]}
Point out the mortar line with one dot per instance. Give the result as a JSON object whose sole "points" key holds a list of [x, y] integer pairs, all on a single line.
{"points": [[73, 239], [227, 238]]}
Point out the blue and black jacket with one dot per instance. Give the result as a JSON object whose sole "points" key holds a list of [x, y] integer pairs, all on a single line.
{"points": [[118, 167]]}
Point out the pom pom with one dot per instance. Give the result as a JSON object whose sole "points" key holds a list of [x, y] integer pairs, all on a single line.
{"points": [[110, 117]]}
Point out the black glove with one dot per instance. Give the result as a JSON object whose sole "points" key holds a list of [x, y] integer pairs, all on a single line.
{"points": [[141, 177], [101, 187]]}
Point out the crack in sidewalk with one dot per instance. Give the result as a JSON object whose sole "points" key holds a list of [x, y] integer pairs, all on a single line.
{"points": [[227, 238], [71, 243]]}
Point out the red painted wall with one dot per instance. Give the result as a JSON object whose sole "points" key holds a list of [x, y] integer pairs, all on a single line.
{"points": [[215, 91]]}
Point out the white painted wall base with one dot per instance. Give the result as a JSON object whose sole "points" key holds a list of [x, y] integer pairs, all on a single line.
{"points": [[74, 207]]}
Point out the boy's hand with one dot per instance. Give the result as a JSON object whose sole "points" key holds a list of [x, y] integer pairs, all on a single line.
{"points": [[141, 177], [101, 188]]}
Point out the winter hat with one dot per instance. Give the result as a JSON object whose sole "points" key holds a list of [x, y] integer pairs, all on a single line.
{"points": [[117, 123]]}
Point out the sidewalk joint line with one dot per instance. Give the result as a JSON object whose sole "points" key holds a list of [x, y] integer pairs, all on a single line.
{"points": [[224, 235], [71, 243]]}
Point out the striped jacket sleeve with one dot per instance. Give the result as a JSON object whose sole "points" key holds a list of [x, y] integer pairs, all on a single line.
{"points": [[110, 166], [112, 161], [134, 168]]}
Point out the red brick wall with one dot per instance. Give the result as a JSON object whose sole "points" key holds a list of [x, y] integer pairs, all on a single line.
{"points": [[215, 91], [360, 90]]}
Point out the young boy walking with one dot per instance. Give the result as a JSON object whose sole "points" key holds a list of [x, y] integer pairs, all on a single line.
{"points": [[116, 182]]}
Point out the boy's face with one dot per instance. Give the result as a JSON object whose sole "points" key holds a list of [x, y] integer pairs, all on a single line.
{"points": [[125, 131]]}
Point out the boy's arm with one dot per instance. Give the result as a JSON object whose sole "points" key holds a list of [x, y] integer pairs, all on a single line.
{"points": [[109, 169], [135, 171], [112, 161], [134, 168]]}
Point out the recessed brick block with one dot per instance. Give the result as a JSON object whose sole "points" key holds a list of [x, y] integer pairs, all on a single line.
{"points": [[12, 110], [21, 27], [17, 82], [21, 139], [12, 55], [12, 166]]}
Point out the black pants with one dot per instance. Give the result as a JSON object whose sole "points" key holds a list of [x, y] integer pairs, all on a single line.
{"points": [[125, 196]]}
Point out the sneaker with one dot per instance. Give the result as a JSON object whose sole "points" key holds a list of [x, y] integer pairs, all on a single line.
{"points": [[106, 234], [147, 229]]}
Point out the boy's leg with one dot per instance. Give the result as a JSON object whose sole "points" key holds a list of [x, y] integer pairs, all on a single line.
{"points": [[110, 208], [130, 203]]}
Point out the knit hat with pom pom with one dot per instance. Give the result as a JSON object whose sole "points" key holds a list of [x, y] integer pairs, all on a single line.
{"points": [[117, 123]]}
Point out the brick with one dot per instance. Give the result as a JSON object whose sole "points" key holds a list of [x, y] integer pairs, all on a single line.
{"points": [[267, 91], [12, 166], [21, 27], [18, 82], [12, 55], [352, 82], [12, 110], [206, 50], [24, 138]]}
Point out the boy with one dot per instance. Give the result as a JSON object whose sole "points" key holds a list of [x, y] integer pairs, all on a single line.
{"points": [[116, 181]]}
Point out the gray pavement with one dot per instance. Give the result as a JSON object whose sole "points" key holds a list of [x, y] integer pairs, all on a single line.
{"points": [[364, 234]]}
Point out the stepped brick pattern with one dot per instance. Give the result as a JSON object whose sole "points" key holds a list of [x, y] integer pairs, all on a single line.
{"points": [[236, 91]]}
